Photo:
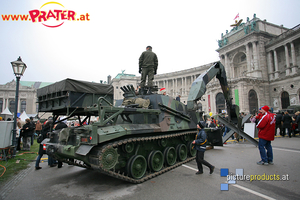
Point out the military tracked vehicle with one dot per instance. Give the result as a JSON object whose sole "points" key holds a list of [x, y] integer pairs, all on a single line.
{"points": [[144, 136]]}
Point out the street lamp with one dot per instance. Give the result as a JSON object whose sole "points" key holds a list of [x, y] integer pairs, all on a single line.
{"points": [[19, 68]]}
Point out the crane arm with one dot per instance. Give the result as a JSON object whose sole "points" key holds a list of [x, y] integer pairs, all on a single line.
{"points": [[198, 88]]}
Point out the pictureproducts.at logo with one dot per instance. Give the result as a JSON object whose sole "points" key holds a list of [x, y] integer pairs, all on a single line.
{"points": [[240, 176], [225, 173]]}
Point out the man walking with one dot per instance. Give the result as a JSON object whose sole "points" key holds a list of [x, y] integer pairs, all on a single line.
{"points": [[147, 66], [200, 145], [266, 126]]}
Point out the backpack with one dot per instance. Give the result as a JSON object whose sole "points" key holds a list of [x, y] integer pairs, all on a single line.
{"points": [[40, 138]]}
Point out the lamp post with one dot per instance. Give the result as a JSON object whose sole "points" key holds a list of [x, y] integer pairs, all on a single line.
{"points": [[19, 68]]}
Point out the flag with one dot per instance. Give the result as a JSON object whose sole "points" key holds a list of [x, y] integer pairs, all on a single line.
{"points": [[237, 16]]}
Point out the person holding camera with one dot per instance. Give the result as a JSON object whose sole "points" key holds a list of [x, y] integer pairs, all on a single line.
{"points": [[200, 146]]}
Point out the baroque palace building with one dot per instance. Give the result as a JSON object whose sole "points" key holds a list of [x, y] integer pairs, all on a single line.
{"points": [[261, 60], [262, 64], [27, 96]]}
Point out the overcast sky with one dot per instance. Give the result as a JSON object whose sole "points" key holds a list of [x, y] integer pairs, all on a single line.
{"points": [[183, 34]]}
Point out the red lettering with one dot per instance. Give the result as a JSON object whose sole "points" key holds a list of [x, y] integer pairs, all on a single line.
{"points": [[42, 16], [34, 14], [50, 14], [87, 16], [5, 17], [24, 17], [63, 15], [82, 17], [57, 14], [14, 17], [71, 14]]}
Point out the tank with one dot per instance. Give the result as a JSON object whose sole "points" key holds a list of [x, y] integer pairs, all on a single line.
{"points": [[138, 138]]}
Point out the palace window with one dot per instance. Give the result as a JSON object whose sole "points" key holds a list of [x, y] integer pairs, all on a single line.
{"points": [[23, 106], [243, 58], [12, 105]]}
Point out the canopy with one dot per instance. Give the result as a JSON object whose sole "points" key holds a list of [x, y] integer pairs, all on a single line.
{"points": [[23, 116], [6, 112]]}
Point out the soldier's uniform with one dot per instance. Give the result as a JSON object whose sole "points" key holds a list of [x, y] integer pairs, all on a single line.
{"points": [[148, 66]]}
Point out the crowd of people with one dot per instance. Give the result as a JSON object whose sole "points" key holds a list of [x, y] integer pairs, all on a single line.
{"points": [[29, 129], [46, 128]]}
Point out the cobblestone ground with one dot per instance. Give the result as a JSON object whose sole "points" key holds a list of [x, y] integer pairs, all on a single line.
{"points": [[10, 185]]}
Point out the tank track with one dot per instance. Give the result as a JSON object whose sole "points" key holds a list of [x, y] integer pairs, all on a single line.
{"points": [[148, 176]]}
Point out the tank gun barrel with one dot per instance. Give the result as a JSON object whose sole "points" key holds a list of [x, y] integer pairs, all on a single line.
{"points": [[123, 88], [131, 89]]}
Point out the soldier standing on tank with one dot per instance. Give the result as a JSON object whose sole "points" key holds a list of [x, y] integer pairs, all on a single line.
{"points": [[147, 67]]}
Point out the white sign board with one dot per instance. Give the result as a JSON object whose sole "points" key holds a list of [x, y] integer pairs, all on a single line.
{"points": [[249, 128]]}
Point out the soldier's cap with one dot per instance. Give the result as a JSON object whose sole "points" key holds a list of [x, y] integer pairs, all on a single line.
{"points": [[149, 47], [201, 124]]}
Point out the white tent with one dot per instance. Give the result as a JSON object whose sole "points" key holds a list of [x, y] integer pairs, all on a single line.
{"points": [[23, 116], [6, 112]]}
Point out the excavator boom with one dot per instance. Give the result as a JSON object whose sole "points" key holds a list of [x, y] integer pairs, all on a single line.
{"points": [[198, 89]]}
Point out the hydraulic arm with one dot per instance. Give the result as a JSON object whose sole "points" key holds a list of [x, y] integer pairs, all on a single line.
{"points": [[198, 89]]}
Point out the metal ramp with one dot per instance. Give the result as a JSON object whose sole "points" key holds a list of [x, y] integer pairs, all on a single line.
{"points": [[235, 129]]}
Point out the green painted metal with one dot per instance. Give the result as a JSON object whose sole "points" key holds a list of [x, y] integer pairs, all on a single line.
{"points": [[109, 158], [170, 156], [236, 97], [192, 151], [133, 143], [156, 160], [181, 151], [138, 166]]}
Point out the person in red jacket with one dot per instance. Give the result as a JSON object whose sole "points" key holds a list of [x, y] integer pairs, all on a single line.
{"points": [[266, 126]]}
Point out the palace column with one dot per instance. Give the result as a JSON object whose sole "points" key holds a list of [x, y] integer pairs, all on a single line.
{"points": [[254, 55], [287, 60], [270, 66], [184, 85], [227, 66], [248, 58], [176, 86], [276, 65], [293, 58], [173, 86]]}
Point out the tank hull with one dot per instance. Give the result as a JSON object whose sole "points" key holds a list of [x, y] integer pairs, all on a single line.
{"points": [[133, 157]]}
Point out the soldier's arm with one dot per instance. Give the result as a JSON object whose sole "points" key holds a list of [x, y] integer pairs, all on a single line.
{"points": [[141, 59], [155, 62]]}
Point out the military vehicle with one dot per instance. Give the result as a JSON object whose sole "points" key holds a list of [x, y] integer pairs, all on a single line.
{"points": [[291, 109], [143, 137]]}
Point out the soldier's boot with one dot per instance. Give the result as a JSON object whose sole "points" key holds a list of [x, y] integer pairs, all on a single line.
{"points": [[146, 90], [149, 90], [142, 91], [154, 89]]}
